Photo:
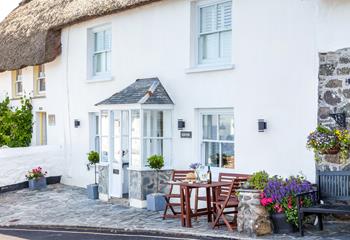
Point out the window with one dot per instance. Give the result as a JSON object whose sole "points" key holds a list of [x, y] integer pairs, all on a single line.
{"points": [[39, 80], [100, 49], [217, 141], [94, 120], [41, 129], [215, 32], [17, 83], [157, 134]]}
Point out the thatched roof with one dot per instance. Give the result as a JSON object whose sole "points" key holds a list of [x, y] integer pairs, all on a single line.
{"points": [[31, 34]]}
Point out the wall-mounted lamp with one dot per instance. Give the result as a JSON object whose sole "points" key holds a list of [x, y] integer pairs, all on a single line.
{"points": [[180, 124], [339, 118], [262, 125], [76, 123]]}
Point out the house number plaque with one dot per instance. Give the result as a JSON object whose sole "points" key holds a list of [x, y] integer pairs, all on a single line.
{"points": [[186, 134]]}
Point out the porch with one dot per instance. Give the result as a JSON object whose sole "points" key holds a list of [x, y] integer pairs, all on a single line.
{"points": [[61, 205]]}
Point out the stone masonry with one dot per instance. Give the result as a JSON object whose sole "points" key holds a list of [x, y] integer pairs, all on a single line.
{"points": [[334, 97], [253, 219]]}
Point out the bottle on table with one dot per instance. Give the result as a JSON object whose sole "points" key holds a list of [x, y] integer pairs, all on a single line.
{"points": [[209, 175]]}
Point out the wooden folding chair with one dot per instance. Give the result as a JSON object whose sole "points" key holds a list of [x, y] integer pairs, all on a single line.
{"points": [[226, 198], [178, 175]]}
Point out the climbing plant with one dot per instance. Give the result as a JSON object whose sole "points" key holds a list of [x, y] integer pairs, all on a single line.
{"points": [[16, 123]]}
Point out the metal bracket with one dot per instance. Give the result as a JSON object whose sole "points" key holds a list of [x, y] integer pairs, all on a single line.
{"points": [[339, 118]]}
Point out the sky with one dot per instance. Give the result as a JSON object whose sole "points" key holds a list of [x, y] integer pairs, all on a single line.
{"points": [[6, 6]]}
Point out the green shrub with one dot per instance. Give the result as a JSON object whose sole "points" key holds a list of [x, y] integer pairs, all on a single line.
{"points": [[16, 123], [93, 157], [259, 180], [156, 162]]}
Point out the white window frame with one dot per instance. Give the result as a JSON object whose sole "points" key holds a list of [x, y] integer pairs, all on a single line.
{"points": [[19, 81], [163, 138], [220, 63], [41, 76], [216, 112], [94, 122], [92, 74]]}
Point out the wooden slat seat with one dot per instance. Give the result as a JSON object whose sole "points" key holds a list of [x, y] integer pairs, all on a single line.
{"points": [[332, 186], [177, 175], [227, 201]]}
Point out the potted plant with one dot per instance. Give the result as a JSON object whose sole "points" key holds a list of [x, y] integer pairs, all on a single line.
{"points": [[326, 141], [36, 178], [257, 181], [92, 189], [156, 201], [279, 197]]}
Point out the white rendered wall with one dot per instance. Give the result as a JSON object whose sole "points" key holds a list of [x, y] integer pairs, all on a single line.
{"points": [[15, 162], [275, 78]]}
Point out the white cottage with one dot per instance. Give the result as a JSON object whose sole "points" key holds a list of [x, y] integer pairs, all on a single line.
{"points": [[188, 79]]}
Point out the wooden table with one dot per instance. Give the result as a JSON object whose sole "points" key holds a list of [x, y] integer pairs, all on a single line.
{"points": [[185, 196]]}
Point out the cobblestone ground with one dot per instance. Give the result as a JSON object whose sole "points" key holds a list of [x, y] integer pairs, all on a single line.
{"points": [[62, 205]]}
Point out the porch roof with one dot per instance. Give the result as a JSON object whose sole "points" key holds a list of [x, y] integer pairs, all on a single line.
{"points": [[142, 91]]}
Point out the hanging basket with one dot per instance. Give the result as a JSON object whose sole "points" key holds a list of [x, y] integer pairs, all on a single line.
{"points": [[331, 151]]}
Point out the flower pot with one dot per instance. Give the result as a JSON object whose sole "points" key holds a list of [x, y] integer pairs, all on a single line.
{"points": [[37, 184], [92, 191], [156, 202], [280, 224]]}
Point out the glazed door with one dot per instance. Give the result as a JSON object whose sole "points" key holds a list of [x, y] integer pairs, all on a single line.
{"points": [[119, 180]]}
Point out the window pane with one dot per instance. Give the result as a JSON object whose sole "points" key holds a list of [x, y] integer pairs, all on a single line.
{"points": [[99, 41], [105, 124], [226, 127], [136, 152], [211, 153], [97, 144], [209, 47], [208, 19], [19, 87], [153, 123], [107, 40], [97, 126], [135, 124], [108, 61], [210, 127], [98, 62], [228, 155], [105, 148], [226, 44], [224, 16], [42, 85]]}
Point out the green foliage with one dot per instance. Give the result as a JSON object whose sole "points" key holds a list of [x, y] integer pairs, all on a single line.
{"points": [[93, 157], [259, 180], [16, 123], [156, 162]]}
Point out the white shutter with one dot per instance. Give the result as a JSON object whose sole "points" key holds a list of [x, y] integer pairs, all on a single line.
{"points": [[208, 19], [107, 40], [224, 16]]}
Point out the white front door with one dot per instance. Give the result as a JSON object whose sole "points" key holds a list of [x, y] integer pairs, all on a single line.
{"points": [[119, 163]]}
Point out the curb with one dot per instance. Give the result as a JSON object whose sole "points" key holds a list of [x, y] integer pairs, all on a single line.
{"points": [[118, 231]]}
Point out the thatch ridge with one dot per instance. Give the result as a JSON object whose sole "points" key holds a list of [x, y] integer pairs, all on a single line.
{"points": [[31, 33]]}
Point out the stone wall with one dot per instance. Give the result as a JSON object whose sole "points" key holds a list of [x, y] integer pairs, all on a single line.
{"points": [[103, 179], [142, 183], [252, 218], [334, 97]]}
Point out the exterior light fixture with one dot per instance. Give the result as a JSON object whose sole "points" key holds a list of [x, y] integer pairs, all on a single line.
{"points": [[76, 123], [180, 124], [262, 125]]}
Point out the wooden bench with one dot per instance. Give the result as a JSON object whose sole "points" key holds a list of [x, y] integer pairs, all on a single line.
{"points": [[332, 186]]}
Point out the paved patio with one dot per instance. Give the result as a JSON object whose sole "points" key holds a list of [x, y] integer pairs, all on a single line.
{"points": [[61, 205]]}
